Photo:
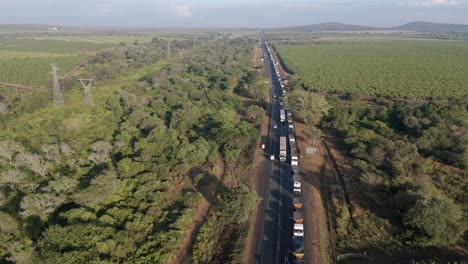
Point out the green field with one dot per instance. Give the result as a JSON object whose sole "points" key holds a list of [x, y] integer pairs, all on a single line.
{"points": [[27, 60], [419, 68]]}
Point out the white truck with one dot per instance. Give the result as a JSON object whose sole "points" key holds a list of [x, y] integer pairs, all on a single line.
{"points": [[283, 153], [298, 230], [294, 157], [282, 116]]}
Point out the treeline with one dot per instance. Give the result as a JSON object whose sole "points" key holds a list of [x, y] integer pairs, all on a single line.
{"points": [[413, 160], [115, 183]]}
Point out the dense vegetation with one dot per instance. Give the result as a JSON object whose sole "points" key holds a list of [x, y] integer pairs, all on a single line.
{"points": [[121, 181], [397, 68], [413, 161]]}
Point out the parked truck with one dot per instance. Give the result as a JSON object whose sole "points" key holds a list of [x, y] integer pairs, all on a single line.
{"points": [[298, 217], [282, 116], [298, 247], [283, 149], [297, 202], [294, 157]]}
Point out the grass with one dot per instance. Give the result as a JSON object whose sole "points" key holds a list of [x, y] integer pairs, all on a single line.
{"points": [[386, 67]]}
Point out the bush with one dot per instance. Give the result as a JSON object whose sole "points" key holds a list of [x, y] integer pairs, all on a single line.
{"points": [[434, 222]]}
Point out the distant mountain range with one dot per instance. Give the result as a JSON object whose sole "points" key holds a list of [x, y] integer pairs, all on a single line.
{"points": [[417, 26], [421, 26]]}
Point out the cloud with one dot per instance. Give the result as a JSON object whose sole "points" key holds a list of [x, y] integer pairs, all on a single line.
{"points": [[430, 3], [183, 11]]}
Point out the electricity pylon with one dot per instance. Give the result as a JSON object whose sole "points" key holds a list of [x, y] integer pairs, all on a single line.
{"points": [[57, 90], [88, 99]]}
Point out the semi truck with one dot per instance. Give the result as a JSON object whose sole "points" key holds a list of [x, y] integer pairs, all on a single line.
{"points": [[297, 202], [298, 247], [298, 217], [294, 157], [283, 149], [282, 116]]}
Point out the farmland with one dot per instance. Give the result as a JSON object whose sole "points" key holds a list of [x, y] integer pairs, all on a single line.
{"points": [[27, 60], [384, 67]]}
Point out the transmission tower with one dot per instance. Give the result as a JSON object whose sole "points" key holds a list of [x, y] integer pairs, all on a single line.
{"points": [[168, 49], [58, 93], [88, 99]]}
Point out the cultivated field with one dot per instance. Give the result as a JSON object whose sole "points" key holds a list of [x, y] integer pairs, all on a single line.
{"points": [[387, 67], [27, 60]]}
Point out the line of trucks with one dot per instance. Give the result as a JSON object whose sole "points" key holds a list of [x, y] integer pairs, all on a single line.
{"points": [[298, 218]]}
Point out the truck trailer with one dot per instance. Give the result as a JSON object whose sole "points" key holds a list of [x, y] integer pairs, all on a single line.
{"points": [[294, 157], [283, 153], [297, 202], [298, 217], [298, 247], [282, 116]]}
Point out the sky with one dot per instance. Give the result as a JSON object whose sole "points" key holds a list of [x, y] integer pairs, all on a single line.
{"points": [[230, 13]]}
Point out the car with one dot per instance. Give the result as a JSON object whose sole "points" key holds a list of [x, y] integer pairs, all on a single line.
{"points": [[297, 191], [275, 126], [291, 126], [297, 185], [272, 157], [292, 139]]}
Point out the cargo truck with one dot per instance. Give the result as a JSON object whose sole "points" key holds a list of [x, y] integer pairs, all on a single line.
{"points": [[298, 247], [283, 149], [294, 157], [298, 230], [282, 116], [298, 217], [297, 202]]}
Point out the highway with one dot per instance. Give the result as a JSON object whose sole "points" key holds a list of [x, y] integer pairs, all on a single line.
{"points": [[274, 241]]}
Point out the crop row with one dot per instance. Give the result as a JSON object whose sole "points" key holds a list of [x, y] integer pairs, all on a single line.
{"points": [[388, 68], [34, 71]]}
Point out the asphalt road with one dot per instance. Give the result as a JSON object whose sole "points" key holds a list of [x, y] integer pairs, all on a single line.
{"points": [[275, 241]]}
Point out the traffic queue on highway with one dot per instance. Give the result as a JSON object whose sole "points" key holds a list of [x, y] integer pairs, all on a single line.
{"points": [[286, 120]]}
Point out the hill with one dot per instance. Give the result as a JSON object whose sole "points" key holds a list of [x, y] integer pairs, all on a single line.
{"points": [[417, 26], [327, 27], [421, 26]]}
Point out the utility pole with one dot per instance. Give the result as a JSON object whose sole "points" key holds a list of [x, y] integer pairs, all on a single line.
{"points": [[88, 99], [57, 90]]}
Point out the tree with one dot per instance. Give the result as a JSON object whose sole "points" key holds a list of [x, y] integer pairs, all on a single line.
{"points": [[255, 113], [35, 163], [313, 133], [62, 185], [11, 178], [52, 152], [3, 108], [434, 222], [41, 204], [238, 203], [309, 105], [100, 154], [8, 150]]}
